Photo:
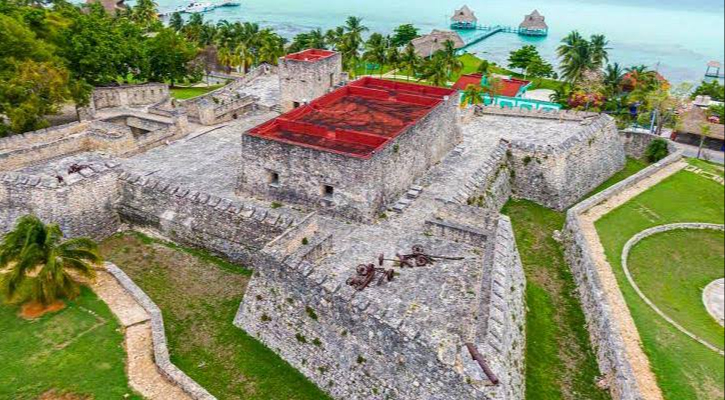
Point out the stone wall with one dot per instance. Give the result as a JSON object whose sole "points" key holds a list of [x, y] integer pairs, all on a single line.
{"points": [[362, 187], [490, 185], [83, 204], [306, 321], [604, 331], [233, 229], [129, 95], [559, 176], [636, 142], [117, 139], [303, 81]]}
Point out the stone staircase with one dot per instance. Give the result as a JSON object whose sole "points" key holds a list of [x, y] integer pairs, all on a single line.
{"points": [[407, 199]]}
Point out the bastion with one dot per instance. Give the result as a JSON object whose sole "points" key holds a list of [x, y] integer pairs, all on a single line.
{"points": [[352, 152]]}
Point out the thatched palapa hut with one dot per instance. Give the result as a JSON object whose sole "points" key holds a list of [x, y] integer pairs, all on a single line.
{"points": [[427, 45], [534, 25], [111, 6], [464, 18]]}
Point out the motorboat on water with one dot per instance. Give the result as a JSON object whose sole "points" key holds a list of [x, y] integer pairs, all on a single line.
{"points": [[204, 6]]}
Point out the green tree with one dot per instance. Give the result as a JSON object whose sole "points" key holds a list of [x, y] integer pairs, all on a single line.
{"points": [[714, 89], [656, 150], [484, 68], [449, 53], [538, 68], [521, 58], [176, 22], [36, 255], [169, 57], [435, 70], [403, 35], [473, 95], [376, 49], [599, 51], [145, 13], [410, 60], [613, 75]]}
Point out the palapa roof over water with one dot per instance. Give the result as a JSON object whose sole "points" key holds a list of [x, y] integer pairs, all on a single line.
{"points": [[534, 21], [464, 14], [428, 44]]}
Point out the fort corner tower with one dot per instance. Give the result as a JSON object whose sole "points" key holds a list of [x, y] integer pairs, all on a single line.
{"points": [[307, 75]]}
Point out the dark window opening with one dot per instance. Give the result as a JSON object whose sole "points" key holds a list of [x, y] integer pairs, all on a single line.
{"points": [[273, 178], [295, 104], [332, 79], [328, 191]]}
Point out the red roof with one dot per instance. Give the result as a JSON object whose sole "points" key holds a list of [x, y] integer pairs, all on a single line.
{"points": [[309, 55], [356, 120], [509, 87]]}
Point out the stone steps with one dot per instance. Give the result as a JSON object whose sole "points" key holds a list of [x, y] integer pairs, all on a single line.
{"points": [[407, 199]]}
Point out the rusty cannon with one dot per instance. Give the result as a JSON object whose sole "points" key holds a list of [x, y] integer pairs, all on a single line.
{"points": [[367, 273], [417, 258]]}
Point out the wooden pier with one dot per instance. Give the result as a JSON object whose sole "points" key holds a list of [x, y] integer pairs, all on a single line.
{"points": [[485, 32]]}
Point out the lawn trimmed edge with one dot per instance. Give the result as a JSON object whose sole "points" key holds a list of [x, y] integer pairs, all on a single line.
{"points": [[625, 256], [158, 336]]}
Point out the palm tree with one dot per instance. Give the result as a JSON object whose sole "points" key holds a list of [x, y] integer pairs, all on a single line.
{"points": [[271, 47], [145, 12], [484, 68], [333, 37], [36, 254], [435, 70], [410, 60], [599, 52], [376, 50], [613, 75], [394, 57], [316, 39], [561, 94], [473, 95], [453, 63]]}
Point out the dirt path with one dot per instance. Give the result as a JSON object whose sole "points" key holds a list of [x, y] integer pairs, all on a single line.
{"points": [[143, 375], [646, 380]]}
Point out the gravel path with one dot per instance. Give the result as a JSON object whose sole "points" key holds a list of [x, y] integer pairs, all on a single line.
{"points": [[140, 367], [646, 380]]}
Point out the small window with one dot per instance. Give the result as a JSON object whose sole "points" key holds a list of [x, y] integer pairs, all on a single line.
{"points": [[296, 104], [273, 178], [332, 79], [328, 191]]}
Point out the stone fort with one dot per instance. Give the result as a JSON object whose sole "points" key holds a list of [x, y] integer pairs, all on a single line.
{"points": [[369, 210]]}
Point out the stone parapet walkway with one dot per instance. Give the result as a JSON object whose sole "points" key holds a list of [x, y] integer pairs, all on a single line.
{"points": [[143, 375]]}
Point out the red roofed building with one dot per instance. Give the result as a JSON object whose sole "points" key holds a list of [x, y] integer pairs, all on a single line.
{"points": [[354, 150], [508, 87]]}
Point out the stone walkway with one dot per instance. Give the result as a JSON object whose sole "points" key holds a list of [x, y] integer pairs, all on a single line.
{"points": [[140, 367], [646, 380], [714, 299]]}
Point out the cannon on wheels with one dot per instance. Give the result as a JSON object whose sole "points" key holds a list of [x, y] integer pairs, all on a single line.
{"points": [[367, 273], [417, 258]]}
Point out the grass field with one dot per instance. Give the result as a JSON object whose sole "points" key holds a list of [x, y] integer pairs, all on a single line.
{"points": [[77, 350], [673, 268], [183, 93], [685, 369], [199, 296], [560, 363]]}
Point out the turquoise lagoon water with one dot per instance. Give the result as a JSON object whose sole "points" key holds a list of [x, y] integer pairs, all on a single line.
{"points": [[676, 37]]}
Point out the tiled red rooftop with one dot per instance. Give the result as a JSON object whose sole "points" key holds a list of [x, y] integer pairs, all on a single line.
{"points": [[309, 55], [509, 87], [355, 120]]}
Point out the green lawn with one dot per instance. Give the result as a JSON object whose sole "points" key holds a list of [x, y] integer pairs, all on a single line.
{"points": [[199, 296], [673, 268], [76, 350], [708, 166], [183, 93], [685, 369], [560, 363]]}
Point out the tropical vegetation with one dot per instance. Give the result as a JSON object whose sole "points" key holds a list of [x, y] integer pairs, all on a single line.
{"points": [[40, 266]]}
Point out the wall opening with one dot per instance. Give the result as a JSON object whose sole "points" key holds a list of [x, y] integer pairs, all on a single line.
{"points": [[273, 178], [295, 104], [328, 191]]}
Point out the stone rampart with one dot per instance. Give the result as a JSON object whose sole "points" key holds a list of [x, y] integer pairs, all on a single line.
{"points": [[490, 185], [558, 176], [603, 327], [231, 228], [129, 95], [83, 204], [295, 309], [636, 142]]}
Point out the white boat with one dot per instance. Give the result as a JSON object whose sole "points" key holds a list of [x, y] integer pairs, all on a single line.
{"points": [[204, 6]]}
